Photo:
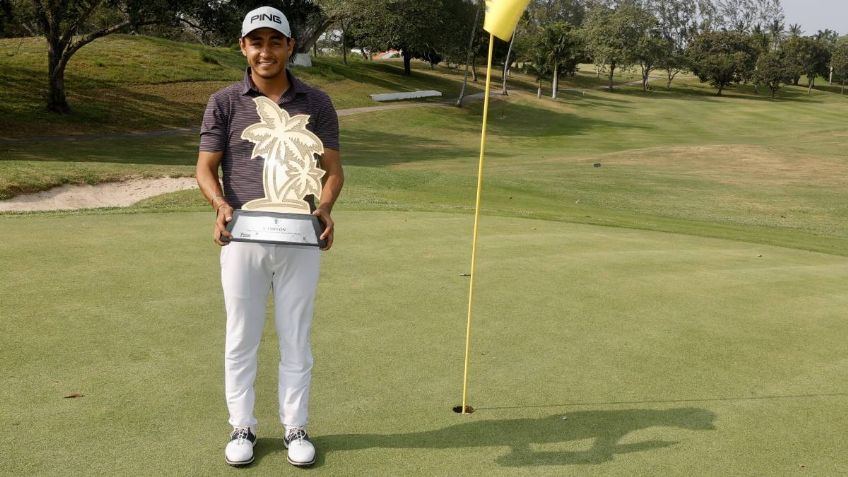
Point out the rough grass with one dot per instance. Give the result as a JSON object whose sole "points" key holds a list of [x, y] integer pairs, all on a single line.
{"points": [[596, 351]]}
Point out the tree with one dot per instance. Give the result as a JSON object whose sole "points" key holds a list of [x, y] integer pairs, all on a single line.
{"points": [[678, 21], [561, 49], [743, 15], [650, 45], [62, 22], [810, 57], [611, 37], [507, 63], [773, 69], [538, 64], [829, 38], [722, 58], [840, 63], [414, 27], [737, 15]]}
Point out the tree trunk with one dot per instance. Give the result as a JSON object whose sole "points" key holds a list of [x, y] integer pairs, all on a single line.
{"points": [[56, 100], [506, 64], [830, 77], [407, 62], [344, 45], [720, 87], [308, 39], [810, 83], [469, 53], [555, 82], [474, 68], [612, 72], [843, 87], [539, 91]]}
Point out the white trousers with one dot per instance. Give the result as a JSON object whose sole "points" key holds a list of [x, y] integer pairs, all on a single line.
{"points": [[248, 272]]}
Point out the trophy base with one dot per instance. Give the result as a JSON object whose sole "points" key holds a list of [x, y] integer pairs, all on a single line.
{"points": [[276, 228]]}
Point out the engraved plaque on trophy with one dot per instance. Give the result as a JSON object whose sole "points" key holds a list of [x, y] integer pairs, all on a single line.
{"points": [[290, 174]]}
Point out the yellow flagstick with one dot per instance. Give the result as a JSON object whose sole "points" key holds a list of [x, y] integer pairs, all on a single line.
{"points": [[476, 224]]}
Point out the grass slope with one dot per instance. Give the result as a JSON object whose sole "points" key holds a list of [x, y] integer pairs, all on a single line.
{"points": [[679, 160], [596, 351]]}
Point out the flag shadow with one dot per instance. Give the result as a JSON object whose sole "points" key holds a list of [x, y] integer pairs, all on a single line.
{"points": [[604, 429]]}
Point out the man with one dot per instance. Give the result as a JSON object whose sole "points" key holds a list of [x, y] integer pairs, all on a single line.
{"points": [[250, 270]]}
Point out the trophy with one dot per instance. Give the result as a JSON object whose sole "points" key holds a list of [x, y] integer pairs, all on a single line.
{"points": [[290, 173]]}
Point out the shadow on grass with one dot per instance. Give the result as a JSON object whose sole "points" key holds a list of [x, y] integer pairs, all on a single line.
{"points": [[605, 430], [511, 120], [392, 78], [96, 104], [396, 148]]}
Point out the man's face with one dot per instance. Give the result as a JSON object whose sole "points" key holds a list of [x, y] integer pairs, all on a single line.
{"points": [[267, 52]]}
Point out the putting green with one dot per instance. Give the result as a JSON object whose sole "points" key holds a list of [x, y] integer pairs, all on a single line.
{"points": [[596, 350]]}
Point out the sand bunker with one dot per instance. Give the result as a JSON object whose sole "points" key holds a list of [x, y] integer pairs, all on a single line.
{"points": [[110, 194]]}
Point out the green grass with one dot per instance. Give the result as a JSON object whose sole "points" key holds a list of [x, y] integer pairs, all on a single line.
{"points": [[667, 354], [682, 305]]}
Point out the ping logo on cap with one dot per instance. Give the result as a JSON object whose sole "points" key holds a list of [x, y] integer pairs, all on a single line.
{"points": [[266, 16]]}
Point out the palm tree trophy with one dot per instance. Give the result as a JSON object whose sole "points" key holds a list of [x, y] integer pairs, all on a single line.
{"points": [[290, 172]]}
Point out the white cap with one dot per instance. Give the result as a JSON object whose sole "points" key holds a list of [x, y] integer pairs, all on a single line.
{"points": [[265, 17]]}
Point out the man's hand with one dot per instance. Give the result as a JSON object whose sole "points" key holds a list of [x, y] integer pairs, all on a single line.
{"points": [[324, 216], [225, 214]]}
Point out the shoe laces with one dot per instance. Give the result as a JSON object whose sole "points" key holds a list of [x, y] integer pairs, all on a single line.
{"points": [[241, 434], [298, 432]]}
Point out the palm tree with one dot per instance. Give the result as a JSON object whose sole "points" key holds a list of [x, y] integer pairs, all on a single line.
{"points": [[776, 31], [290, 171], [795, 30]]}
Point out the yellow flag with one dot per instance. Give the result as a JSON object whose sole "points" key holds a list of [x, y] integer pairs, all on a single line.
{"points": [[502, 16]]}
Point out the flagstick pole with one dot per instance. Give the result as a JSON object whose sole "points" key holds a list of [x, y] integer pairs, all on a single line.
{"points": [[476, 224]]}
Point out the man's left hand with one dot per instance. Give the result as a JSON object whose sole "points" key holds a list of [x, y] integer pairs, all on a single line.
{"points": [[324, 216]]}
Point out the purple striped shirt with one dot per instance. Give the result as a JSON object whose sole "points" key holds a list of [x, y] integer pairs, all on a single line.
{"points": [[232, 109]]}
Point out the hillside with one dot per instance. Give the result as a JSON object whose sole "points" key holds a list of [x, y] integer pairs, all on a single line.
{"points": [[678, 159]]}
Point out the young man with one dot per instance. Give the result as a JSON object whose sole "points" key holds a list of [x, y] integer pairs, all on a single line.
{"points": [[250, 270]]}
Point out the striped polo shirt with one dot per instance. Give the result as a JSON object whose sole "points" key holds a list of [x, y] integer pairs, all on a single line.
{"points": [[232, 109]]}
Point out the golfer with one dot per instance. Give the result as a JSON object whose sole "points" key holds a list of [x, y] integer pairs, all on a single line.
{"points": [[250, 270]]}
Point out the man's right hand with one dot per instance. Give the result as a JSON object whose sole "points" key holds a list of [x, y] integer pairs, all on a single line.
{"points": [[221, 236]]}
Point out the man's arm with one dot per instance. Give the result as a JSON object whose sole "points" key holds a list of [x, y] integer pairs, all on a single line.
{"points": [[334, 180], [206, 173]]}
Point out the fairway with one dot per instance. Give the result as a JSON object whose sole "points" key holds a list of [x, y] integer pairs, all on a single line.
{"points": [[596, 351]]}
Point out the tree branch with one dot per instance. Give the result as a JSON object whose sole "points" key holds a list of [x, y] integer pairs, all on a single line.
{"points": [[91, 37], [42, 17], [197, 27], [106, 31], [71, 31]]}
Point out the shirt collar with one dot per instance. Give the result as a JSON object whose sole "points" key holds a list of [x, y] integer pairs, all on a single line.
{"points": [[295, 86]]}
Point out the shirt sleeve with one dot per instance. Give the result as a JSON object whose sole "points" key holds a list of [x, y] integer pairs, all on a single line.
{"points": [[327, 123], [213, 129]]}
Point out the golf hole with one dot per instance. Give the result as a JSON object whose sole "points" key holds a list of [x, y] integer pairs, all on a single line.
{"points": [[458, 409]]}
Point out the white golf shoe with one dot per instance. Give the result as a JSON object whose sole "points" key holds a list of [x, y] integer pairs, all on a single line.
{"points": [[301, 450], [239, 450]]}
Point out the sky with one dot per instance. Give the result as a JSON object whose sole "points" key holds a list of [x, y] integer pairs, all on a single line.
{"points": [[814, 15]]}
